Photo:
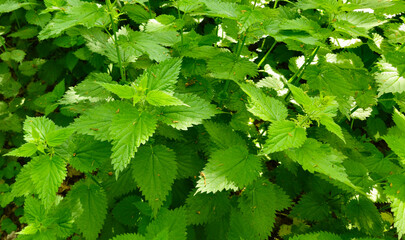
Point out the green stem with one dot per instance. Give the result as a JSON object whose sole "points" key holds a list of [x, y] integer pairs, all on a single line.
{"points": [[302, 68], [267, 54], [275, 4], [114, 26], [239, 50], [149, 10]]}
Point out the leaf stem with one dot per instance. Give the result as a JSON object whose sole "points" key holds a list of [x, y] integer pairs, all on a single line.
{"points": [[303, 67], [267, 54], [149, 10], [114, 27], [275, 4]]}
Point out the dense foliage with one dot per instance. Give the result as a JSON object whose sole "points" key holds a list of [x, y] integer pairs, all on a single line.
{"points": [[202, 119]]}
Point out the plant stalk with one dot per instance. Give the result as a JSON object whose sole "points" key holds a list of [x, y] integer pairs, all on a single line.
{"points": [[114, 27], [267, 54]]}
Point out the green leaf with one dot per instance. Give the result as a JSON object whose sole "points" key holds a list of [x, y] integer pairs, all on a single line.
{"points": [[204, 208], [47, 174], [221, 9], [311, 207], [129, 129], [395, 140], [99, 42], [126, 212], [330, 6], [23, 185], [26, 150], [37, 128], [231, 166], [396, 187], [283, 135], [356, 23], [154, 169], [231, 67], [34, 18], [390, 77], [259, 203], [162, 76], [317, 157], [84, 153], [57, 137], [398, 208], [129, 236], [223, 135], [91, 87], [82, 13], [316, 236], [183, 117], [159, 98], [96, 121], [265, 107], [123, 91], [93, 200], [137, 13], [148, 44], [10, 5], [364, 215], [168, 225]]}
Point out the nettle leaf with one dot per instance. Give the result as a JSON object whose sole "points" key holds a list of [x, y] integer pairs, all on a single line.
{"points": [[47, 174], [317, 157], [138, 13], [364, 215], [129, 236], [234, 165], [395, 187], [331, 79], [93, 201], [129, 129], [169, 224], [330, 6], [154, 170], [84, 153], [10, 5], [259, 203], [317, 236], [96, 121], [23, 185], [311, 207], [321, 109], [99, 42], [221, 9], [356, 23], [160, 98], [59, 136], [398, 208], [223, 135], [183, 117], [283, 135], [230, 66], [81, 13], [265, 107], [204, 208], [37, 129], [91, 87], [394, 137], [122, 91], [162, 76], [126, 212], [26, 150], [390, 76]]}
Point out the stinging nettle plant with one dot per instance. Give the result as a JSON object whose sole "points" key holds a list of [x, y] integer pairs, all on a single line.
{"points": [[203, 119]]}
